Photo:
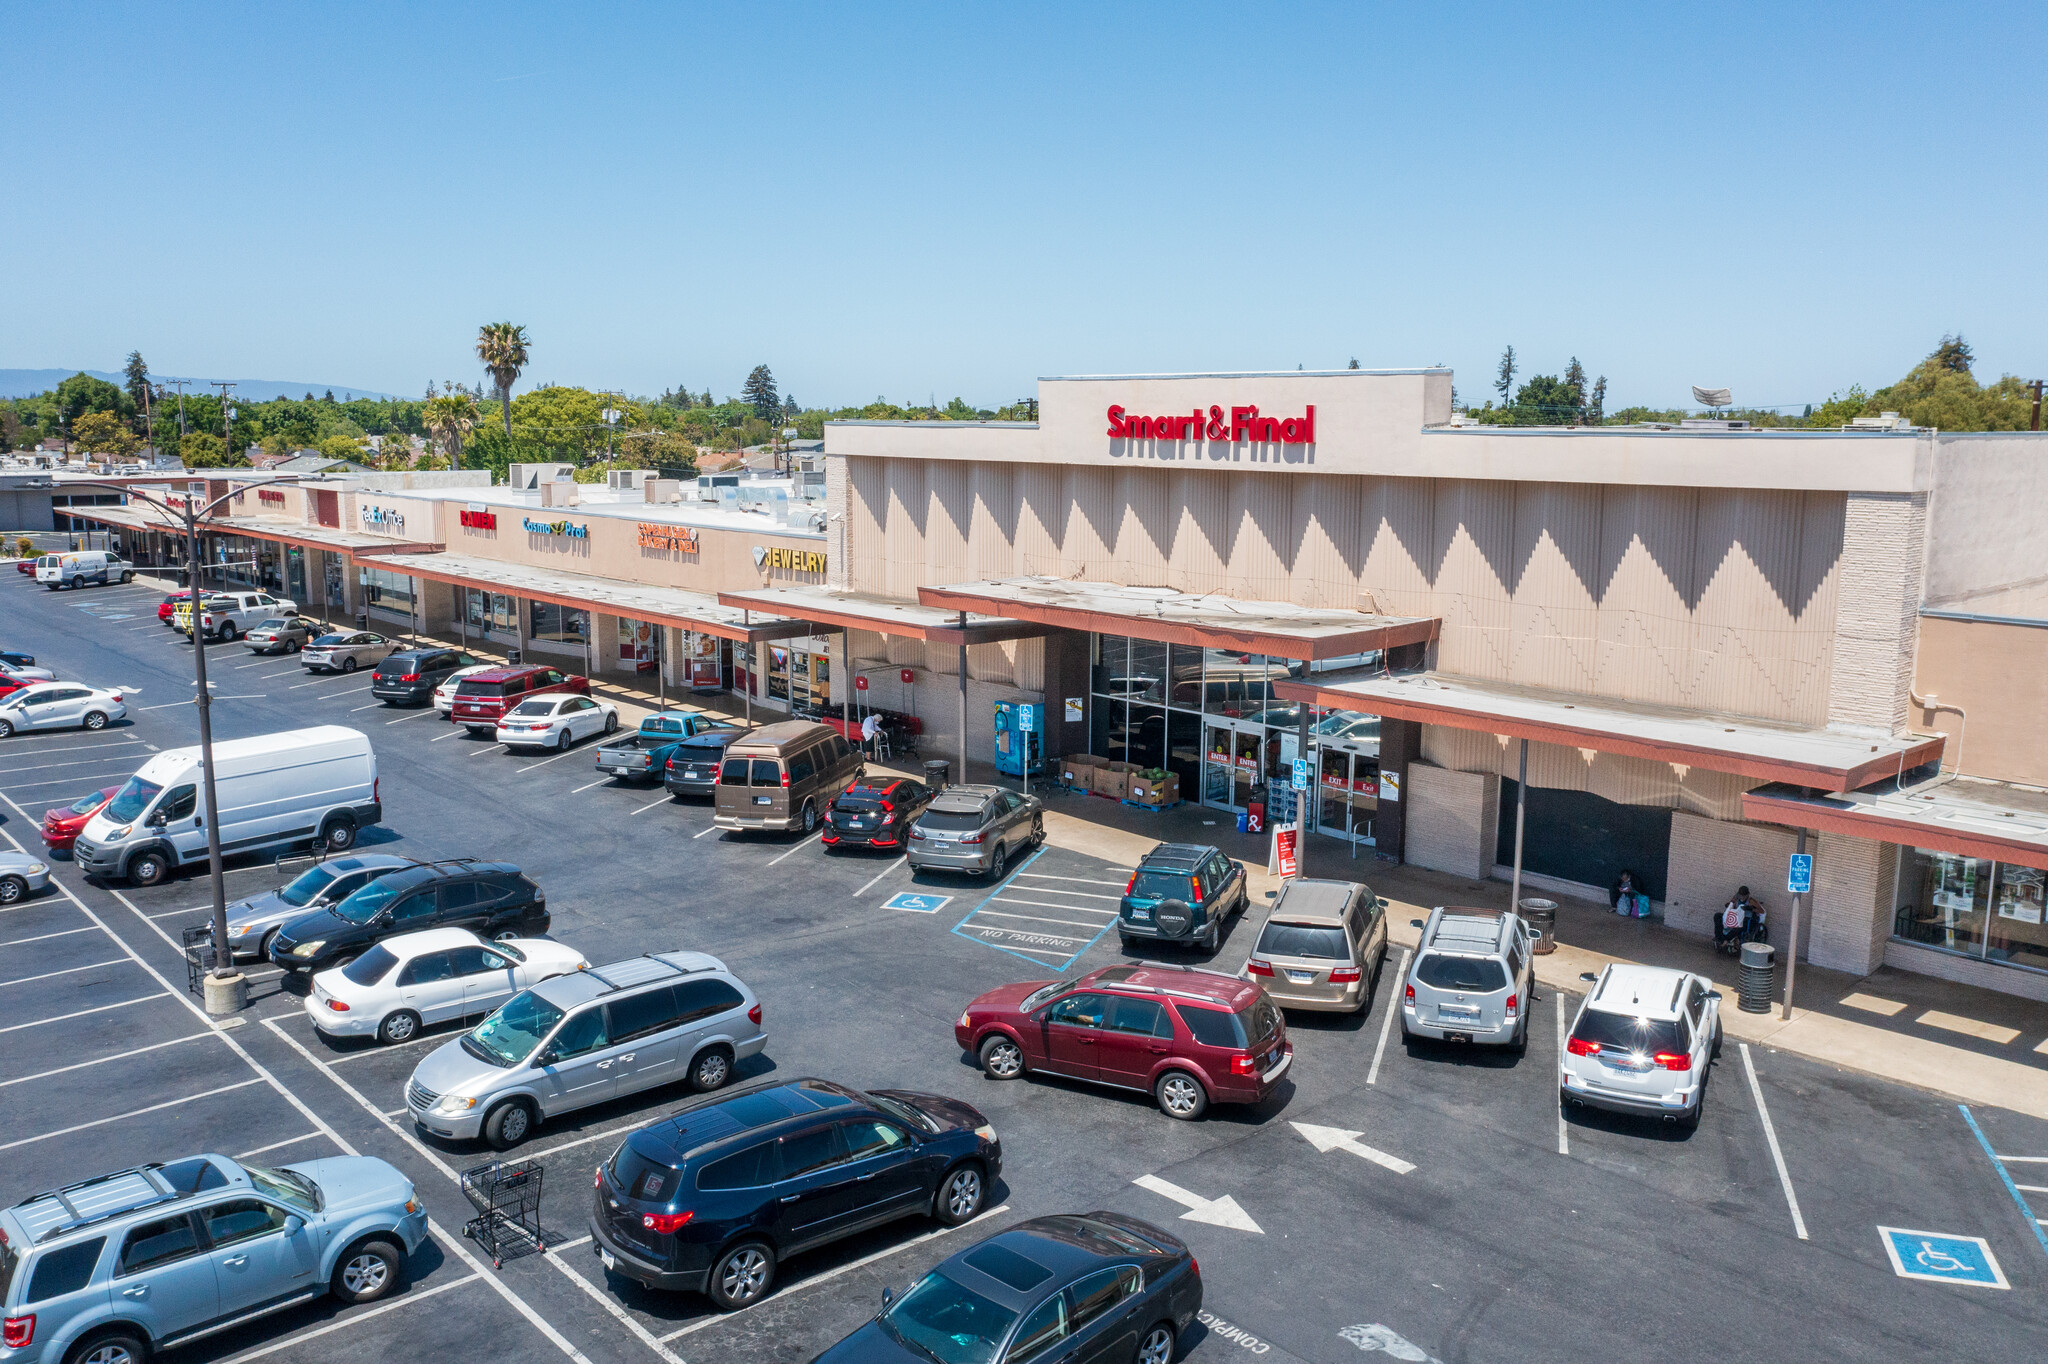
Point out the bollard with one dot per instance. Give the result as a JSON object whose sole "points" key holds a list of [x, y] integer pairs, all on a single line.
{"points": [[1541, 915], [1759, 977], [226, 995]]}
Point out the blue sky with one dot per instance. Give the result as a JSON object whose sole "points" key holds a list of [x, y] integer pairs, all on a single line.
{"points": [[955, 199]]}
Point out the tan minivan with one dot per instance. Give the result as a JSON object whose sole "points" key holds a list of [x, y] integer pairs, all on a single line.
{"points": [[783, 776]]}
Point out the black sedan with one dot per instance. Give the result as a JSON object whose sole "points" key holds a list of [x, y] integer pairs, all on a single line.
{"points": [[1092, 1286], [19, 660], [710, 1199], [692, 768], [875, 813], [491, 899]]}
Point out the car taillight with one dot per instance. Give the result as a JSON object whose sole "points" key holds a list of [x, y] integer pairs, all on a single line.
{"points": [[1243, 1064], [20, 1331], [1131, 884], [1409, 991], [785, 779], [408, 677], [1259, 968], [1196, 898], [115, 697], [754, 1014], [1673, 1060], [665, 1222], [598, 1181], [1194, 1266], [1579, 1046], [1511, 1004], [375, 782], [339, 1006], [1344, 975], [971, 838]]}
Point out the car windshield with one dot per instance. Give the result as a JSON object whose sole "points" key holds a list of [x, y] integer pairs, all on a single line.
{"points": [[509, 1036], [949, 1323], [1624, 1032], [1042, 994], [307, 888], [331, 640], [903, 1112], [1476, 975], [372, 966], [1303, 940], [546, 707], [131, 800], [84, 804], [287, 1185], [952, 821], [362, 906], [1161, 885]]}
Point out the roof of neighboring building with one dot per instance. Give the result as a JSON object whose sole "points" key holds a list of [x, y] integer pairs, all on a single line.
{"points": [[1968, 816]]}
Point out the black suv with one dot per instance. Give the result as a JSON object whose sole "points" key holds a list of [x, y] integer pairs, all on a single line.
{"points": [[710, 1199], [492, 899], [875, 813], [1181, 892], [413, 675]]}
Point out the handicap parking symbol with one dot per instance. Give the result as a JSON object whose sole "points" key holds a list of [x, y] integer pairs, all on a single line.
{"points": [[1943, 1258], [917, 904]]}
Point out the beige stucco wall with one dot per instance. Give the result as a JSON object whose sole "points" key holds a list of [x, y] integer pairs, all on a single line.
{"points": [[1453, 820], [1711, 858], [1998, 675]]}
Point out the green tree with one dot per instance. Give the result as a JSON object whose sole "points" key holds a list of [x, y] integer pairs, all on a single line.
{"points": [[342, 447], [137, 372], [103, 433], [204, 450], [82, 393], [759, 393], [451, 418], [502, 348], [1505, 382]]}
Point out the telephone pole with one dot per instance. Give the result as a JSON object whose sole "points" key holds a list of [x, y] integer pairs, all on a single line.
{"points": [[2036, 386], [180, 385]]}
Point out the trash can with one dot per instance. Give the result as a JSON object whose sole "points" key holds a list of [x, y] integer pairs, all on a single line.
{"points": [[1541, 915], [938, 773], [1759, 977], [362, 620], [511, 658]]}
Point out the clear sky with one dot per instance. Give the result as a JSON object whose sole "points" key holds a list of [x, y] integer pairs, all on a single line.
{"points": [[919, 200]]}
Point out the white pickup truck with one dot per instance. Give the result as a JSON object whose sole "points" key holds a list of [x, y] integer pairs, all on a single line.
{"points": [[229, 615]]}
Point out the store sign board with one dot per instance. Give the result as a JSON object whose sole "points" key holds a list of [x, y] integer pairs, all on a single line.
{"points": [[270, 497], [1799, 874], [678, 539], [478, 518], [565, 528], [384, 519], [790, 560], [1244, 423]]}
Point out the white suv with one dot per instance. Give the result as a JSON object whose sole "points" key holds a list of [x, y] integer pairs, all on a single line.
{"points": [[1642, 1043]]}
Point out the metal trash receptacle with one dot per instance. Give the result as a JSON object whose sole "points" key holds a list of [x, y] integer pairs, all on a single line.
{"points": [[938, 773], [512, 658], [1541, 915], [1759, 977]]}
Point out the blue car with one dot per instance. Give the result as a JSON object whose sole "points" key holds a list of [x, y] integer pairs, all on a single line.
{"points": [[111, 1270]]}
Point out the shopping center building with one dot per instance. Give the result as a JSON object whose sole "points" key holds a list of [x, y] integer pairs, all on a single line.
{"points": [[1671, 648]]}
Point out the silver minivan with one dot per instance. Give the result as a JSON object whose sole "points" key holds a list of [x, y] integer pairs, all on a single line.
{"points": [[587, 1038], [1471, 979]]}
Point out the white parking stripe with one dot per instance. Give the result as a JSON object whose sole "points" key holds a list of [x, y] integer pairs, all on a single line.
{"points": [[1055, 890], [581, 789], [1036, 951], [1038, 919], [21, 744], [288, 1141], [123, 1117], [374, 705], [502, 748], [349, 691], [70, 781], [1084, 880], [557, 758], [1771, 1136], [665, 800], [42, 937], [38, 767], [174, 913], [23, 980], [798, 848], [415, 1295], [701, 832], [167, 705], [618, 1131], [141, 999], [1107, 914], [449, 735], [880, 874], [100, 1061], [1372, 1076], [604, 1300], [1564, 1146]]}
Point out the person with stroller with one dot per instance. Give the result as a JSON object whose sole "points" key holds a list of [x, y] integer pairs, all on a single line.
{"points": [[1741, 920]]}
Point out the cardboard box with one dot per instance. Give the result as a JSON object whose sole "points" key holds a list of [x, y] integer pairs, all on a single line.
{"points": [[1077, 771], [1144, 791], [1113, 779]]}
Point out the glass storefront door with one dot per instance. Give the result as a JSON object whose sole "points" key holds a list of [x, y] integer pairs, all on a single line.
{"points": [[1232, 764], [1348, 789]]}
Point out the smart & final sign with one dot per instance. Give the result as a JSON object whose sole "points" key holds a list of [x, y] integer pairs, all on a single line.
{"points": [[795, 560], [570, 529], [679, 539], [1243, 424]]}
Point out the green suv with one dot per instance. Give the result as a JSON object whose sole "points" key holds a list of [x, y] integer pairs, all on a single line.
{"points": [[1182, 893]]}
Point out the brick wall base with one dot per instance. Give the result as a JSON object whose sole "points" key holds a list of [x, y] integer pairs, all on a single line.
{"points": [[1453, 820]]}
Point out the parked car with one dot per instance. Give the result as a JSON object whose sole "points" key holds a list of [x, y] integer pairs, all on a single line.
{"points": [[692, 766], [876, 813], [344, 651], [196, 1245], [24, 673], [273, 791], [416, 979], [14, 658], [492, 898], [1642, 1043], [644, 754], [444, 692], [281, 634], [556, 721], [82, 566], [1471, 979], [713, 1197], [59, 705], [975, 829], [1186, 1036], [411, 675], [585, 1039], [1095, 1286], [11, 685], [168, 610], [61, 826], [26, 566], [482, 698], [1322, 946], [782, 776], [1182, 893], [253, 921], [228, 616], [21, 876]]}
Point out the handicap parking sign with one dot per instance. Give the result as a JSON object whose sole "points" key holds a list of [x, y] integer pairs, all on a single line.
{"points": [[917, 904], [1944, 1258]]}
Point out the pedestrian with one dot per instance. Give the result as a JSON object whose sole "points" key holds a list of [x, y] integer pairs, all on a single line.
{"points": [[870, 730]]}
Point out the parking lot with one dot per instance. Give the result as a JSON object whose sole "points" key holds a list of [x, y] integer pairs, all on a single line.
{"points": [[1433, 1196]]}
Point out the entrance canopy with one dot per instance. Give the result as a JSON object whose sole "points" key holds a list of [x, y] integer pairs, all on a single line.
{"points": [[1972, 818], [860, 611], [698, 611], [328, 538], [1829, 759], [1203, 620]]}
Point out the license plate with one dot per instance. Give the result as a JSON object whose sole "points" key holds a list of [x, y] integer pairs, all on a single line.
{"points": [[1301, 977], [1141, 914], [618, 771], [609, 1261], [1457, 1011], [764, 800]]}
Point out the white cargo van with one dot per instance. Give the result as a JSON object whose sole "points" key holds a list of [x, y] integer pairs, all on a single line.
{"points": [[83, 566], [274, 791]]}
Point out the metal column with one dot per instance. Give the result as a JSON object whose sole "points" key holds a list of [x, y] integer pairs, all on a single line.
{"points": [[963, 697], [1792, 947], [1521, 808], [1301, 820], [846, 689]]}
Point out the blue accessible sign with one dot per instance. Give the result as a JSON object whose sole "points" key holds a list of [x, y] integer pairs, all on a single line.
{"points": [[1027, 719], [1301, 774], [1943, 1258], [1799, 875], [917, 904]]}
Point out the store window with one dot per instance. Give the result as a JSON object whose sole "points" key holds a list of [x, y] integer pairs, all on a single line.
{"points": [[388, 591], [639, 645], [561, 624], [491, 613], [1972, 906]]}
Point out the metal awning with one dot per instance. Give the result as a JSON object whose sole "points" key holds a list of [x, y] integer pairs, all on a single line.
{"points": [[329, 538], [1965, 816], [1829, 759], [676, 606], [125, 516], [882, 615], [1204, 620]]}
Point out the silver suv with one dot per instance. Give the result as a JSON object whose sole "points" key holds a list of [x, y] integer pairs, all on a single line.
{"points": [[1471, 980], [975, 829], [1642, 1043], [587, 1038]]}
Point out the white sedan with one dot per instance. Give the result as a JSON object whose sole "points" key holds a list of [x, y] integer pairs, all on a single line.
{"points": [[59, 705], [416, 979], [556, 721], [444, 695]]}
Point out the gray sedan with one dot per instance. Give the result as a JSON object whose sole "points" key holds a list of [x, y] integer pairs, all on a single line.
{"points": [[280, 635], [252, 921], [345, 652], [975, 829], [21, 876]]}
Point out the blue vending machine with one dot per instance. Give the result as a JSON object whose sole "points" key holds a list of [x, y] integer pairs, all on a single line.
{"points": [[1019, 738]]}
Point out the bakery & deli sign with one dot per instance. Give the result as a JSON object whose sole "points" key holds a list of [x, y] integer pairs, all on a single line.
{"points": [[679, 539], [1224, 430]]}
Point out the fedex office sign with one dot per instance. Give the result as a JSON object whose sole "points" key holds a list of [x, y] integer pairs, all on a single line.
{"points": [[1222, 429]]}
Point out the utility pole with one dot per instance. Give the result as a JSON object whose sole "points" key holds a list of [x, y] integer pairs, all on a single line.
{"points": [[2036, 386], [227, 414], [180, 385]]}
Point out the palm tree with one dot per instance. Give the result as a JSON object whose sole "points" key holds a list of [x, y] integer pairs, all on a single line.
{"points": [[502, 348], [450, 418]]}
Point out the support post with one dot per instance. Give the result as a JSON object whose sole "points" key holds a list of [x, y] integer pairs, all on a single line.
{"points": [[747, 695], [846, 687], [223, 958], [1792, 947], [1301, 797], [963, 699], [1521, 808]]}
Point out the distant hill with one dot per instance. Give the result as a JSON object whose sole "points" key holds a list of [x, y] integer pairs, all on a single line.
{"points": [[26, 383]]}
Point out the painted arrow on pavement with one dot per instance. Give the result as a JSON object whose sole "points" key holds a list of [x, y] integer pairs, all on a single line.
{"points": [[1328, 1139], [1218, 1212]]}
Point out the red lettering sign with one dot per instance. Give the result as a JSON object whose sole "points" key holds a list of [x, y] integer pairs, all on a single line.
{"points": [[480, 520], [269, 497], [1243, 424]]}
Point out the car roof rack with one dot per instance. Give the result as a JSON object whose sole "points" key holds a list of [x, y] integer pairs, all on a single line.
{"points": [[610, 985], [145, 1188]]}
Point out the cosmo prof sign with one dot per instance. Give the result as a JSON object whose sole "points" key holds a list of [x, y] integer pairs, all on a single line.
{"points": [[564, 528], [1222, 432]]}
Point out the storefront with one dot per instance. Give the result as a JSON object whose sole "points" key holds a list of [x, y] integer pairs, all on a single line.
{"points": [[1978, 908]]}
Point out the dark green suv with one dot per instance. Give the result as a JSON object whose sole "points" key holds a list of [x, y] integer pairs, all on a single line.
{"points": [[1181, 892]]}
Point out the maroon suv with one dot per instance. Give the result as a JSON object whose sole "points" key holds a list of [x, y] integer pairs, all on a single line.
{"points": [[1186, 1036], [482, 698]]}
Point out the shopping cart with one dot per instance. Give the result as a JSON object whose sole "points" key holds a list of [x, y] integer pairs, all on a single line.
{"points": [[506, 1195]]}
